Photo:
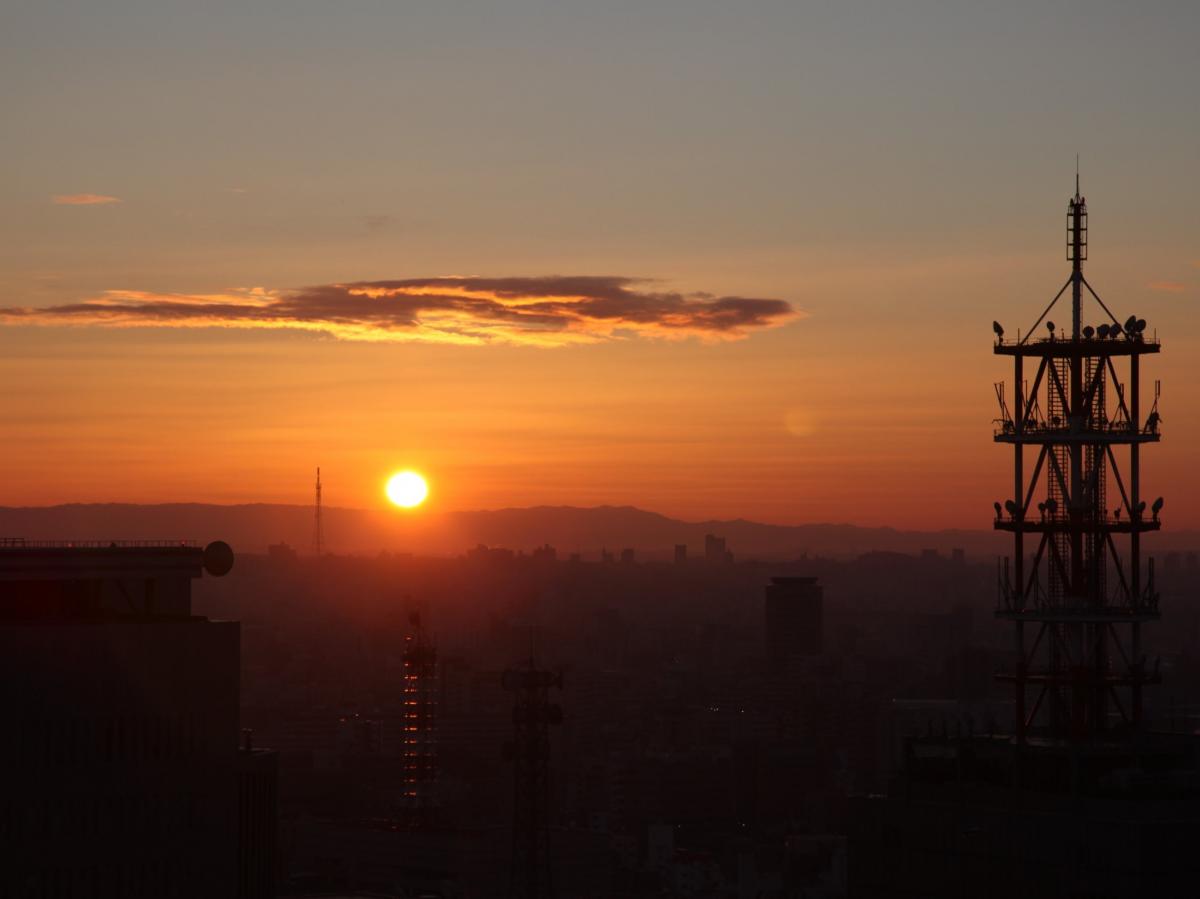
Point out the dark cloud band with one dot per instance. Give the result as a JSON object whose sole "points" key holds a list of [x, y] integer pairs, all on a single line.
{"points": [[542, 310]]}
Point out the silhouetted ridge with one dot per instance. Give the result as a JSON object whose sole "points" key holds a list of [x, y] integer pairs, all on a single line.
{"points": [[252, 527]]}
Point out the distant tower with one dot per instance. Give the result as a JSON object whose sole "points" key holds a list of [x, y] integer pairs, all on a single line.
{"points": [[318, 530], [1084, 599], [533, 714], [420, 725]]}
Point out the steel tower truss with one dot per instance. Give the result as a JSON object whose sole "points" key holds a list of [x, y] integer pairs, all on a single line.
{"points": [[420, 726], [1083, 595], [533, 715]]}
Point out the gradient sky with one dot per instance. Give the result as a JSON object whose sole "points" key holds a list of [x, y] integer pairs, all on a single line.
{"points": [[895, 172]]}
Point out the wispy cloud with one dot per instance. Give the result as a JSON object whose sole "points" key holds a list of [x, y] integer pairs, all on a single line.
{"points": [[378, 222], [545, 311], [83, 199], [1167, 286]]}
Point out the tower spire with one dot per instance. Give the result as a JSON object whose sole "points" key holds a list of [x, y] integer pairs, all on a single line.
{"points": [[318, 531], [1084, 595]]}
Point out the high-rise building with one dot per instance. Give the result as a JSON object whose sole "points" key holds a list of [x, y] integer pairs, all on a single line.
{"points": [[258, 820], [120, 758], [714, 549], [793, 614]]}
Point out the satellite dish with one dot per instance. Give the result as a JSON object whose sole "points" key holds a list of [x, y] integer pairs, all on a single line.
{"points": [[1157, 507], [998, 329], [1102, 332], [218, 558], [1141, 325], [1088, 331], [1140, 507], [1010, 506], [1051, 505], [1131, 323], [1050, 327]]}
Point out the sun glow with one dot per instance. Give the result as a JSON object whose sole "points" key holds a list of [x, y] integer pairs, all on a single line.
{"points": [[407, 489]]}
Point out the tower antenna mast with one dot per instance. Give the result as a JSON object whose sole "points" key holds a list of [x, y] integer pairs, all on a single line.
{"points": [[1084, 591], [318, 531]]}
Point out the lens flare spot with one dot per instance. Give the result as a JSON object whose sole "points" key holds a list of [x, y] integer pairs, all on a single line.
{"points": [[799, 423]]}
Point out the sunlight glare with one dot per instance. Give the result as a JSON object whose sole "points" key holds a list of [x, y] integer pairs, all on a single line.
{"points": [[407, 489]]}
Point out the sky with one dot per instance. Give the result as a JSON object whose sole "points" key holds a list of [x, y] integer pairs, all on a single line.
{"points": [[714, 260]]}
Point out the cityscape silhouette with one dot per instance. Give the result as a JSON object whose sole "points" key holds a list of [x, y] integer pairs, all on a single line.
{"points": [[529, 450]]}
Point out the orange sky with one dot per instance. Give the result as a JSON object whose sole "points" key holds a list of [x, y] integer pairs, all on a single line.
{"points": [[802, 221], [837, 416]]}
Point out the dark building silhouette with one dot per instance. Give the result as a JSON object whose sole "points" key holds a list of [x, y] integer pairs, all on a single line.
{"points": [[282, 553], [680, 553], [120, 758], [714, 550], [258, 820], [793, 613]]}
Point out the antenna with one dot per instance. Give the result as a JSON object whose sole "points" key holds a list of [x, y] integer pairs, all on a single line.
{"points": [[1090, 586], [318, 532]]}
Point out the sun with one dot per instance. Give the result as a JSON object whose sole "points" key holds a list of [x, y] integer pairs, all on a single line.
{"points": [[407, 489]]}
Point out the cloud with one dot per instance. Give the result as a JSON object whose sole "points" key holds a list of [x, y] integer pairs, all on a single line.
{"points": [[544, 311], [83, 199], [1167, 286], [376, 223]]}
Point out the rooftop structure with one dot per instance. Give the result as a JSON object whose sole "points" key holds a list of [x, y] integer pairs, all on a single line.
{"points": [[89, 579]]}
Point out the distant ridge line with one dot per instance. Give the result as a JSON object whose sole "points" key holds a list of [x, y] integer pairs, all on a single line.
{"points": [[251, 527]]}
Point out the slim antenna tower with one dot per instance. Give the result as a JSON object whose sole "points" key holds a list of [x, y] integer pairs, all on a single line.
{"points": [[318, 531]]}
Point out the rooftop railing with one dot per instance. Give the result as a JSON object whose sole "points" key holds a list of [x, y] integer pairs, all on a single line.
{"points": [[23, 543]]}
